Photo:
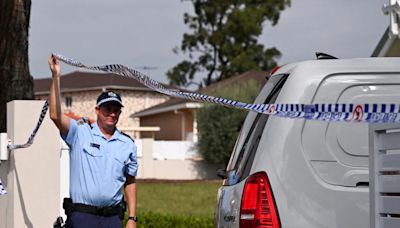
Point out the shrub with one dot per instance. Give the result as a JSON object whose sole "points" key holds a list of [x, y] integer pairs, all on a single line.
{"points": [[219, 126], [156, 220]]}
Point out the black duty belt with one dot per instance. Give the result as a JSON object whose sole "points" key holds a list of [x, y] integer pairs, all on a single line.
{"points": [[70, 207]]}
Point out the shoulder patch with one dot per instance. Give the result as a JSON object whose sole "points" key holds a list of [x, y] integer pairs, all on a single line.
{"points": [[80, 122], [83, 121], [123, 133]]}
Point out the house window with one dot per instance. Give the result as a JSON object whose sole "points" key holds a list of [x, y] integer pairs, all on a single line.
{"points": [[68, 101]]}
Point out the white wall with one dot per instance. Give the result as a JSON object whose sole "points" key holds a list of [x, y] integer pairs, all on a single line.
{"points": [[174, 166], [173, 150], [31, 175]]}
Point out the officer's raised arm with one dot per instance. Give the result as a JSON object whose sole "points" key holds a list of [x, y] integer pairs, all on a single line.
{"points": [[61, 121]]}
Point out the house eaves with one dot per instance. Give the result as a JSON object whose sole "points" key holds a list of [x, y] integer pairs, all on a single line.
{"points": [[177, 103], [187, 105], [88, 81], [68, 90]]}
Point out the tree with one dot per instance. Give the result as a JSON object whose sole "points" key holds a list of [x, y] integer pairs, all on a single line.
{"points": [[219, 126], [15, 79], [223, 41]]}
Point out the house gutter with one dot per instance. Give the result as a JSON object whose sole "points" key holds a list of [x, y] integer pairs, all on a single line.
{"points": [[172, 108]]}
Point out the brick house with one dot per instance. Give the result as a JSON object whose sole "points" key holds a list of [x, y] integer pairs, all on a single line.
{"points": [[79, 91], [175, 117], [147, 114]]}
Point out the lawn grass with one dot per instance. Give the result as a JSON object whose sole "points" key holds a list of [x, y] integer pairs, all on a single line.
{"points": [[196, 199]]}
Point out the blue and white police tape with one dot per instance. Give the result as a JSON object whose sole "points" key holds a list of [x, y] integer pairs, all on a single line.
{"points": [[370, 113], [32, 136], [2, 190]]}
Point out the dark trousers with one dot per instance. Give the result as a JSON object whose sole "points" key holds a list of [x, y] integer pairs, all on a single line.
{"points": [[84, 220]]}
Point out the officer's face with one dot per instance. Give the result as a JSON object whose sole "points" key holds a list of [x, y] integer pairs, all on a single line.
{"points": [[108, 114]]}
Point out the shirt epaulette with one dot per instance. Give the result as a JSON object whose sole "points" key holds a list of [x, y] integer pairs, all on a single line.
{"points": [[123, 133], [84, 120]]}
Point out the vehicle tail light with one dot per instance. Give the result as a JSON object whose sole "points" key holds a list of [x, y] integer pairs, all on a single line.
{"points": [[258, 209]]}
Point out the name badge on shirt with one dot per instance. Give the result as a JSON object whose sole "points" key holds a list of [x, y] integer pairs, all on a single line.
{"points": [[95, 145]]}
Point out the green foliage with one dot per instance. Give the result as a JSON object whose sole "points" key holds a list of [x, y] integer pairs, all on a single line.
{"points": [[156, 220], [224, 39], [219, 126], [176, 204], [191, 199]]}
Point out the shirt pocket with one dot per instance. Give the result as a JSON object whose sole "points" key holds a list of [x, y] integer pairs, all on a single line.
{"points": [[92, 159], [92, 151], [119, 166]]}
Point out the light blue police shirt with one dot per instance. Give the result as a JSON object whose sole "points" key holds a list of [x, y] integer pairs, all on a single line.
{"points": [[98, 165]]}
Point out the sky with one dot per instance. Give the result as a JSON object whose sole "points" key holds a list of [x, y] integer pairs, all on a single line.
{"points": [[141, 34]]}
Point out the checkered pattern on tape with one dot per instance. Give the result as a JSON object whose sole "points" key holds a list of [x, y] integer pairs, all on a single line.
{"points": [[2, 190], [371, 113], [33, 134]]}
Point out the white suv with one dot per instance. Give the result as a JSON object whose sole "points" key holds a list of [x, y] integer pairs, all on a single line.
{"points": [[296, 173]]}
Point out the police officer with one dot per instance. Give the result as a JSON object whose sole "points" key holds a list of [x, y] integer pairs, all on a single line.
{"points": [[102, 161]]}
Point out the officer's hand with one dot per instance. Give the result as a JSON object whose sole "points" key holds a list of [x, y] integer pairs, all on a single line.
{"points": [[54, 65], [131, 224]]}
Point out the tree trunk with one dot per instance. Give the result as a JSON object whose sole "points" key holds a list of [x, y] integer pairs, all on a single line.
{"points": [[16, 83]]}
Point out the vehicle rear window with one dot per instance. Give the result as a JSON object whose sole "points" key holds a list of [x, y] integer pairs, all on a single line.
{"points": [[247, 143]]}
